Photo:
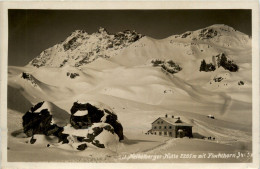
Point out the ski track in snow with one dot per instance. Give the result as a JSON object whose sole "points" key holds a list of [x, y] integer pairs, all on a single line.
{"points": [[222, 134], [201, 95]]}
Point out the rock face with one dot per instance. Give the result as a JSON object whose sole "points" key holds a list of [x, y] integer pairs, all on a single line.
{"points": [[169, 66], [226, 63], [100, 134], [38, 120], [241, 83], [72, 75], [218, 79], [207, 67], [88, 125], [82, 120], [29, 77], [207, 33], [82, 147]]}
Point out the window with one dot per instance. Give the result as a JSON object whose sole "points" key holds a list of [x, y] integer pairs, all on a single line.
{"points": [[154, 127], [154, 133], [161, 122], [158, 122], [165, 127], [160, 133], [170, 127], [165, 133], [160, 127]]}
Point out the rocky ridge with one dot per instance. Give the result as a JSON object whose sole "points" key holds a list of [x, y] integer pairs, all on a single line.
{"points": [[81, 48]]}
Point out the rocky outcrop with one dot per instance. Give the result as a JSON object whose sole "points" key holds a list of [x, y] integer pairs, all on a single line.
{"points": [[218, 79], [82, 120], [207, 33], [82, 146], [38, 120], [98, 129], [126, 36], [241, 83], [226, 63], [72, 75], [71, 44], [220, 60], [168, 67], [186, 34], [207, 67], [88, 124], [29, 77]]}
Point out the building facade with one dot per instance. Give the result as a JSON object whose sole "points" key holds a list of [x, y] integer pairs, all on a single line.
{"points": [[171, 127]]}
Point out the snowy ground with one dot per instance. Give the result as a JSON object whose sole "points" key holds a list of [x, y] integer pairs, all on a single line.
{"points": [[137, 147], [135, 114]]}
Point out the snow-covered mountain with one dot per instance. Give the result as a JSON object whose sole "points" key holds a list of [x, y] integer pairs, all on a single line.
{"points": [[193, 75], [215, 59], [81, 48], [127, 65]]}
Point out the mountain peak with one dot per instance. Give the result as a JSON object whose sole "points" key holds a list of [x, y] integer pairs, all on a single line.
{"points": [[77, 33], [81, 48], [221, 27], [102, 30], [216, 33]]}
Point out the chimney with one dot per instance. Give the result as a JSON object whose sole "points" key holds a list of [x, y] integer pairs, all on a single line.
{"points": [[166, 115], [172, 116]]}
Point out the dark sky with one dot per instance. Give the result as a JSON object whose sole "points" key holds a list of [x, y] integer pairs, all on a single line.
{"points": [[32, 31]]}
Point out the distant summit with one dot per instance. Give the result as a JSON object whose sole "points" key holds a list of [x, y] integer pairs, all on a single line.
{"points": [[82, 48], [212, 31]]}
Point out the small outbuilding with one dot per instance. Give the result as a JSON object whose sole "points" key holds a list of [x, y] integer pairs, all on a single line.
{"points": [[211, 116], [171, 127]]}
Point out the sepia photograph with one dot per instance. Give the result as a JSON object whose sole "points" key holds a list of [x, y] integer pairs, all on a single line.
{"points": [[130, 86]]}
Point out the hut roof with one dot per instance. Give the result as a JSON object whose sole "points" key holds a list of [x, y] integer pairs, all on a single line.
{"points": [[173, 121]]}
